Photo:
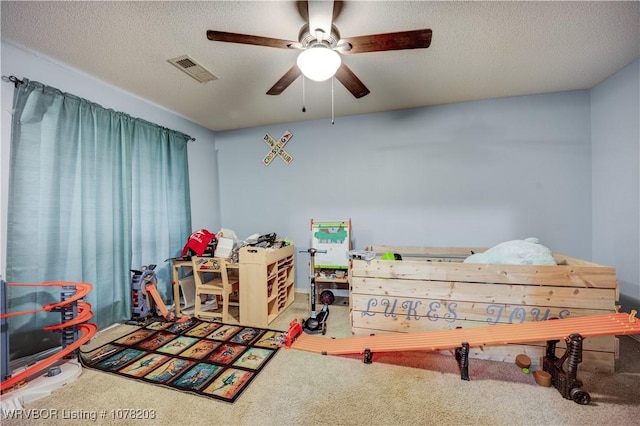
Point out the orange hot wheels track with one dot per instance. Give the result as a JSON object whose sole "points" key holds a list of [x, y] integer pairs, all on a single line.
{"points": [[537, 331], [563, 370], [87, 330]]}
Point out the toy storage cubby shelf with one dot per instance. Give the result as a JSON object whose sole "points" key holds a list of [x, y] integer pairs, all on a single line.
{"points": [[267, 283]]}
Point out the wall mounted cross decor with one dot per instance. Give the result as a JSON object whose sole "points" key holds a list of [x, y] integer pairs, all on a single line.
{"points": [[277, 148]]}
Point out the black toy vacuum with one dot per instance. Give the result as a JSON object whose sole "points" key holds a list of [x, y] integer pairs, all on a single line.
{"points": [[317, 322]]}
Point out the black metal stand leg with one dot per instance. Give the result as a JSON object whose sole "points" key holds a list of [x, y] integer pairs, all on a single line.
{"points": [[462, 356], [566, 381], [368, 356]]}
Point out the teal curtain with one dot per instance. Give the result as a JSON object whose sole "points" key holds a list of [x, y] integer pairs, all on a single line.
{"points": [[93, 193]]}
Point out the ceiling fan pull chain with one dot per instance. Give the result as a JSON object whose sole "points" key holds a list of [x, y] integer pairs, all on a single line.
{"points": [[332, 103], [304, 108]]}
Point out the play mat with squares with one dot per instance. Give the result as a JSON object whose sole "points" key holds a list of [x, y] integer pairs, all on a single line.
{"points": [[206, 358]]}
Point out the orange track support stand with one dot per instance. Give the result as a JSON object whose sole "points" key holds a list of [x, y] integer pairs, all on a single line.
{"points": [[153, 291], [295, 330]]}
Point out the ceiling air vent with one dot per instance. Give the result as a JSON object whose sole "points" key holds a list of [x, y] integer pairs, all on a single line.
{"points": [[194, 69]]}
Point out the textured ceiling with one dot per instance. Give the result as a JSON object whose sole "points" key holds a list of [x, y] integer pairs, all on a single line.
{"points": [[479, 50]]}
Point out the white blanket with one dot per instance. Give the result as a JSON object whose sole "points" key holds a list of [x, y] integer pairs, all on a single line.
{"points": [[516, 252]]}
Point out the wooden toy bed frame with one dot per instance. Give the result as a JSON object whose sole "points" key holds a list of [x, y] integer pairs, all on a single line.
{"points": [[431, 289]]}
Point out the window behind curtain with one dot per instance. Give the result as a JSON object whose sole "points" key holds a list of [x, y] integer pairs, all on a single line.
{"points": [[93, 193]]}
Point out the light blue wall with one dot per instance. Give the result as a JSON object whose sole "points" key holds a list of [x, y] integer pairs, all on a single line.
{"points": [[615, 136], [203, 176], [470, 174]]}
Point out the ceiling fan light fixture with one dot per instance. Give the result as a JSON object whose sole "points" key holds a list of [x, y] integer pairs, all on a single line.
{"points": [[319, 62]]}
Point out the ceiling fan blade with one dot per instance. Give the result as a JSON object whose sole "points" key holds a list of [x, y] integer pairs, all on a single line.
{"points": [[248, 39], [320, 16], [285, 81], [415, 39], [351, 82], [303, 9]]}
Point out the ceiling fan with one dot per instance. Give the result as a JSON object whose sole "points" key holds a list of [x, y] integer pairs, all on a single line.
{"points": [[321, 47]]}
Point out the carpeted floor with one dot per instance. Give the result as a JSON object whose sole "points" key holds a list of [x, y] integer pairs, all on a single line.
{"points": [[300, 388]]}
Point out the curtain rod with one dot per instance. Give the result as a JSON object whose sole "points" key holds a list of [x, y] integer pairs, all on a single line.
{"points": [[12, 79], [16, 82]]}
